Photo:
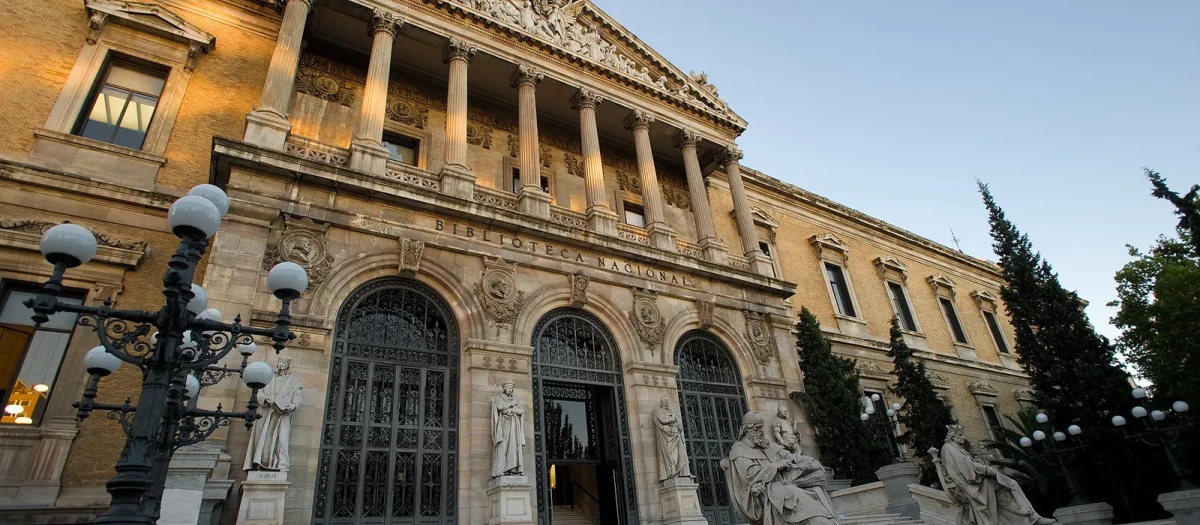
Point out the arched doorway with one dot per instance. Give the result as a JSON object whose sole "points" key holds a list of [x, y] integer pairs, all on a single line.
{"points": [[581, 432], [712, 401], [389, 440]]}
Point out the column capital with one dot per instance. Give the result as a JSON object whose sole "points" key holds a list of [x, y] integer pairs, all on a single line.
{"points": [[526, 75], [685, 138], [638, 119], [729, 155], [585, 98], [386, 21], [458, 49]]}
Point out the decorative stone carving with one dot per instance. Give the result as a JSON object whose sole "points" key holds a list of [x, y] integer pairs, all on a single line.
{"points": [[108, 291], [704, 310], [301, 241], [479, 135], [1023, 395], [411, 251], [574, 165], [508, 433], [457, 49], [383, 20], [526, 75], [406, 112], [758, 334], [871, 370], [545, 153], [940, 281], [585, 98], [579, 287], [829, 246], [939, 382], [497, 292], [638, 119], [646, 319], [888, 264], [984, 388], [771, 485], [785, 430], [271, 436], [95, 26], [985, 300], [629, 182], [672, 446], [728, 155], [40, 227], [702, 79], [312, 82], [514, 146]]}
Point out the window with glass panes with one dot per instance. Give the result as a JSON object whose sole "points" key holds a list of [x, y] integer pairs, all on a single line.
{"points": [[516, 181], [841, 290], [634, 215], [123, 104], [995, 426], [952, 319], [903, 309], [30, 356], [401, 149], [997, 335]]}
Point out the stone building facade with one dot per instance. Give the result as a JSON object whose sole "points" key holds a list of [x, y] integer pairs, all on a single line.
{"points": [[482, 191]]}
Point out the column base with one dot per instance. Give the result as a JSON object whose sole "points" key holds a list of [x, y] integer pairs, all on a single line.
{"points": [[602, 220], [510, 501], [714, 250], [533, 201], [458, 181], [267, 129], [896, 478], [263, 495], [680, 502], [662, 237], [368, 156], [1184, 505], [1088, 514], [761, 264]]}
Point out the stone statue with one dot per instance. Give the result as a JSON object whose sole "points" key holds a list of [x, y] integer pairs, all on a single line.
{"points": [[770, 486], [988, 497], [508, 434], [672, 448], [785, 432], [269, 439]]}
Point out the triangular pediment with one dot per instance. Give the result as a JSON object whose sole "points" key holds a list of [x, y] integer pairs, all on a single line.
{"points": [[581, 29], [151, 18]]}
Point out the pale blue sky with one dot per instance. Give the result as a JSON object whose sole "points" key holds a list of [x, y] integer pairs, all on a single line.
{"points": [[896, 107]]}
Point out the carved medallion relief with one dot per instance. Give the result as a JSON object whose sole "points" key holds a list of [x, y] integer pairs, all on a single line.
{"points": [[497, 292], [646, 319], [758, 334], [300, 241]]}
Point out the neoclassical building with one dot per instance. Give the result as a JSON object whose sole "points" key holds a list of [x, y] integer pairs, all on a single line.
{"points": [[482, 191]]}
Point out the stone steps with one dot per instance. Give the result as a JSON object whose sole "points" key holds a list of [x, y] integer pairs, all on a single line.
{"points": [[563, 515]]}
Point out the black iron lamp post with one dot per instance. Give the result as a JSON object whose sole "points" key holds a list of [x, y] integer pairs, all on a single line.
{"points": [[886, 424], [175, 361], [1160, 429], [1060, 451]]}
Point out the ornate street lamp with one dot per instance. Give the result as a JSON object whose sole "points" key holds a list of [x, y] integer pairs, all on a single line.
{"points": [[888, 425], [1059, 451], [175, 361], [1158, 431]]}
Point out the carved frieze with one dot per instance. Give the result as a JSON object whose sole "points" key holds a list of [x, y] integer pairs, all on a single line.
{"points": [[497, 292], [704, 310], [646, 318], [406, 112], [411, 251], [325, 87], [574, 165], [758, 334], [939, 382], [629, 182], [675, 196], [579, 287], [301, 241], [514, 146], [40, 227], [1023, 395], [871, 370], [546, 154], [984, 388], [479, 135]]}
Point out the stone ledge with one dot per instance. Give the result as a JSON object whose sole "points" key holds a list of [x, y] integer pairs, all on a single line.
{"points": [[86, 143]]}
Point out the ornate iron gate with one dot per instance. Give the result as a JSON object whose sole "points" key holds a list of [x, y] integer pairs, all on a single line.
{"points": [[712, 402], [388, 448], [573, 347]]}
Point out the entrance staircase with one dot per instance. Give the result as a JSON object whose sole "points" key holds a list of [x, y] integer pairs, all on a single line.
{"points": [[565, 515], [879, 519]]}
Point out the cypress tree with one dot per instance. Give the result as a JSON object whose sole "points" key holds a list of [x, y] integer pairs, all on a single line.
{"points": [[923, 415], [832, 397]]}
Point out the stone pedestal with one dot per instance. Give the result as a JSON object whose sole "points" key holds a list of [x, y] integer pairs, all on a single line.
{"points": [[266, 129], [761, 264], [602, 220], [510, 501], [458, 181], [534, 202], [263, 498], [1184, 505], [183, 495], [896, 478], [368, 156], [1087, 514], [680, 502], [714, 250], [662, 237]]}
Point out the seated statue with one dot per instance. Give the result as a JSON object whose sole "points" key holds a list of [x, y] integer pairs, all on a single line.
{"points": [[771, 485], [987, 496]]}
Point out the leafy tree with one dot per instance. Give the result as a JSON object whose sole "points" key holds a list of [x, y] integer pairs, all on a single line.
{"points": [[924, 415], [832, 397], [1187, 207]]}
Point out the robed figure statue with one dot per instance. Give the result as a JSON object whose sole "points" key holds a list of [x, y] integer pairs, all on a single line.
{"points": [[672, 448], [508, 434], [987, 496], [269, 439], [771, 485]]}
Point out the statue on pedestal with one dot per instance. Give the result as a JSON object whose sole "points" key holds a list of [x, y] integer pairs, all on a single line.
{"points": [[508, 434], [988, 497], [785, 431], [269, 439], [672, 448], [770, 485]]}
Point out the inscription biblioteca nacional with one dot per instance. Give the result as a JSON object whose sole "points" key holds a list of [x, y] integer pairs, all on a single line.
{"points": [[506, 240]]}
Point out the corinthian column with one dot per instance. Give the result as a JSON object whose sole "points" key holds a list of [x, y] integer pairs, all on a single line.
{"points": [[661, 234], [759, 262], [601, 218], [267, 126], [706, 231], [532, 200], [457, 179], [366, 149]]}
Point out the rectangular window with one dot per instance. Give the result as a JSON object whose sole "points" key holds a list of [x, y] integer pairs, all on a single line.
{"points": [[401, 149], [516, 181], [841, 290], [997, 335], [903, 309], [122, 104], [765, 248], [634, 216], [995, 426], [30, 357], [952, 317]]}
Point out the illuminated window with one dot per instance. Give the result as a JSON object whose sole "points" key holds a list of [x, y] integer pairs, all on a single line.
{"points": [[30, 357], [123, 104], [401, 149], [634, 215]]}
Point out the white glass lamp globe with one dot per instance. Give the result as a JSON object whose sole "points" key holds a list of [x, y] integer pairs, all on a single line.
{"points": [[287, 278], [1180, 407], [192, 387], [1118, 421], [896, 406], [194, 212], [864, 416], [154, 338], [891, 412], [1026, 442], [214, 195], [71, 244], [870, 411], [247, 349], [257, 374], [13, 410], [99, 362], [41, 388], [1039, 435], [1158, 415], [199, 302], [1059, 436], [1074, 430], [1139, 411], [1139, 393], [874, 397], [23, 420], [1042, 418], [212, 314]]}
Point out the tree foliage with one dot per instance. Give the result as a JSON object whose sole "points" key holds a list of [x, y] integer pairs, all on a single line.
{"points": [[832, 397], [1187, 207], [923, 415]]}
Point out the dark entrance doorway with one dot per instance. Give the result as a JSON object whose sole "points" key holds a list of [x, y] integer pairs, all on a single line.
{"points": [[712, 402], [583, 463], [389, 439]]}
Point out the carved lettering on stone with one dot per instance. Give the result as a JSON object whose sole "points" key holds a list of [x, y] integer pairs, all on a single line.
{"points": [[411, 251], [479, 135], [497, 292], [301, 241], [579, 286], [758, 334], [704, 309], [646, 319]]}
